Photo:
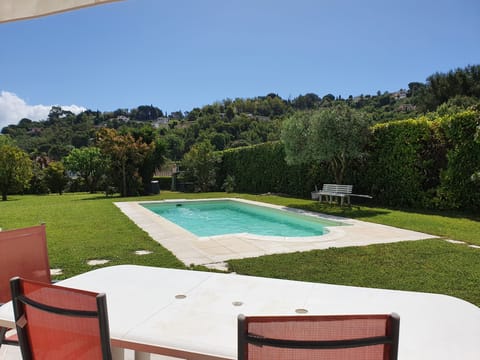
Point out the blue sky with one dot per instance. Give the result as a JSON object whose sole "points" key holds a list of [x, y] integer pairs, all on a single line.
{"points": [[181, 54]]}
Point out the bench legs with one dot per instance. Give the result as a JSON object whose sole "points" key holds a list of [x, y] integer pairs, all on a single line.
{"points": [[329, 198]]}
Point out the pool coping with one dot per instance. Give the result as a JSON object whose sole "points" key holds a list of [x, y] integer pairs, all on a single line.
{"points": [[330, 229], [213, 251]]}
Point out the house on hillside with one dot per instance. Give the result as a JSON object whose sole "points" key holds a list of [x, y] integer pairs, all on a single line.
{"points": [[159, 122], [401, 94]]}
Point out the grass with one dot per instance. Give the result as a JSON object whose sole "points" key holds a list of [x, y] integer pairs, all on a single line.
{"points": [[82, 227], [452, 225], [429, 266]]}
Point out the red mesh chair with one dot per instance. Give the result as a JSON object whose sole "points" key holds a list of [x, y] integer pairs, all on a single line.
{"points": [[24, 253], [346, 337], [55, 322]]}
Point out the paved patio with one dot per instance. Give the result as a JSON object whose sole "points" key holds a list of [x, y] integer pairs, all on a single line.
{"points": [[214, 251], [13, 353]]}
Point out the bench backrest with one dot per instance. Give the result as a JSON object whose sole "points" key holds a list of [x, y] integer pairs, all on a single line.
{"points": [[335, 188]]}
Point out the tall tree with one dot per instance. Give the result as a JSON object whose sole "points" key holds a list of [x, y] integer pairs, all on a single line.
{"points": [[89, 163], [55, 177], [308, 101], [154, 158], [126, 155], [146, 113], [15, 169], [441, 87], [336, 135], [175, 146]]}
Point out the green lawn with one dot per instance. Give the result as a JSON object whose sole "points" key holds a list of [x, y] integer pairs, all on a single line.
{"points": [[82, 227]]}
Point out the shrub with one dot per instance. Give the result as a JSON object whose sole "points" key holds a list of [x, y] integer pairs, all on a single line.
{"points": [[403, 163], [458, 189], [262, 168]]}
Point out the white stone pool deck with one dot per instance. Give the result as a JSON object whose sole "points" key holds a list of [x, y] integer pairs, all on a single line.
{"points": [[214, 251]]}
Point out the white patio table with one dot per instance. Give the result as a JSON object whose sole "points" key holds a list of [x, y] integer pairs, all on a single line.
{"points": [[193, 315]]}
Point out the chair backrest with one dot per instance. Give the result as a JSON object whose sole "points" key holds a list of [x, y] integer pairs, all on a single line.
{"points": [[355, 337], [55, 322], [24, 253]]}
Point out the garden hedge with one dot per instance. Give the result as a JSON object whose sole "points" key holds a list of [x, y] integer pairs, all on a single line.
{"points": [[420, 163], [403, 162], [457, 187], [262, 168]]}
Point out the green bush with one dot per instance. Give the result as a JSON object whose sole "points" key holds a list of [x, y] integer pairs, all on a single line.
{"points": [[426, 163], [458, 189], [262, 168], [229, 184], [418, 163], [403, 166], [165, 182], [252, 168]]}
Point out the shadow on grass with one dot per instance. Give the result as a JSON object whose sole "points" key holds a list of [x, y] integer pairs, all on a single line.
{"points": [[9, 199], [100, 197], [457, 214], [351, 212], [120, 197]]}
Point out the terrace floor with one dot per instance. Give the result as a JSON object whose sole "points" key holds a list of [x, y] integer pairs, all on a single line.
{"points": [[13, 353], [214, 251]]}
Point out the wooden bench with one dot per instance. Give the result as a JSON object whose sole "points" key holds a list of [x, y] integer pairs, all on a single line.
{"points": [[340, 192]]}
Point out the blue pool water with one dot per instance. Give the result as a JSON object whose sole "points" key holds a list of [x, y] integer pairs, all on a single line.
{"points": [[219, 217]]}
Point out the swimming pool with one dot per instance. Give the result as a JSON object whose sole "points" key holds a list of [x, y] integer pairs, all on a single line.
{"points": [[220, 217]]}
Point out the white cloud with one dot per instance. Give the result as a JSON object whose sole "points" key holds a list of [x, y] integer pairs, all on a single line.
{"points": [[13, 109]]}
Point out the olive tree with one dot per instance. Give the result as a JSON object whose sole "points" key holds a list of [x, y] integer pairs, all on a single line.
{"points": [[335, 135]]}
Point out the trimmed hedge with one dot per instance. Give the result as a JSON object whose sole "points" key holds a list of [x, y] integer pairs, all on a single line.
{"points": [[426, 164], [262, 168], [403, 163], [418, 163], [457, 188]]}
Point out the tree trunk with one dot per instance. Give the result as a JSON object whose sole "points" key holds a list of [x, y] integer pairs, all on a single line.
{"points": [[4, 196], [339, 166], [124, 179], [336, 170]]}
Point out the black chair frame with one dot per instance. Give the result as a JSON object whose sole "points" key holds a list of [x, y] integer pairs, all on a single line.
{"points": [[4, 340], [245, 338]]}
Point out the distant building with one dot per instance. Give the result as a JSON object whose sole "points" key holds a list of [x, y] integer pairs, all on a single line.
{"points": [[159, 122], [401, 94], [35, 131], [123, 118]]}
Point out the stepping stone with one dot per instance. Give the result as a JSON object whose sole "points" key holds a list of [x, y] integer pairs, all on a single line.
{"points": [[97, 262], [143, 252], [55, 272], [456, 241], [474, 246], [223, 266]]}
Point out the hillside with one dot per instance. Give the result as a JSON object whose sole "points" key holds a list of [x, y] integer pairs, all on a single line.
{"points": [[239, 122]]}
